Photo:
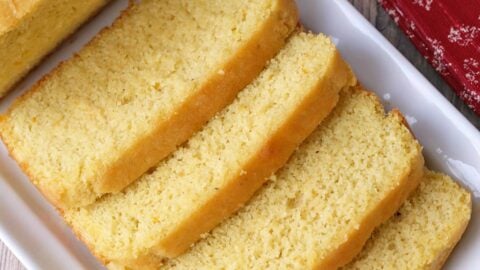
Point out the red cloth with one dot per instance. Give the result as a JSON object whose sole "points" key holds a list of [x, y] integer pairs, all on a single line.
{"points": [[447, 33]]}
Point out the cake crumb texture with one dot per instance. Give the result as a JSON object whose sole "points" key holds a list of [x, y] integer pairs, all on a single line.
{"points": [[423, 232], [221, 166], [30, 29], [350, 175], [138, 90]]}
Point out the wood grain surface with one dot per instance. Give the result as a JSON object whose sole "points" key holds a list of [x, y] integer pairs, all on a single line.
{"points": [[382, 21], [377, 16]]}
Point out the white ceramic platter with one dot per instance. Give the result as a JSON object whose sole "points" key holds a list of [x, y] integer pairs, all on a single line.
{"points": [[37, 236]]}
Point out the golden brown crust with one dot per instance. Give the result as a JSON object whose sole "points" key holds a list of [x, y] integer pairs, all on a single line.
{"points": [[395, 111], [398, 113], [382, 212], [48, 197], [7, 19], [442, 257], [15, 21], [36, 86], [263, 46], [272, 156], [215, 94], [11, 13], [26, 170], [78, 235]]}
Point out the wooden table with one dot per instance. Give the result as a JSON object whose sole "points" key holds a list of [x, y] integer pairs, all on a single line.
{"points": [[377, 16]]}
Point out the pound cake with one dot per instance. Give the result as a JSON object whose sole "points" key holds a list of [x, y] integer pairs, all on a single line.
{"points": [[222, 165], [29, 29], [423, 232], [349, 176], [138, 90]]}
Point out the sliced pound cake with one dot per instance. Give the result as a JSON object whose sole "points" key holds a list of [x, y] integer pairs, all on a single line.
{"points": [[423, 232], [350, 175], [220, 167], [29, 29], [142, 87]]}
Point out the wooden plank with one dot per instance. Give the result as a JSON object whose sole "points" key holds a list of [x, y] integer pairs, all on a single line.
{"points": [[7, 260], [382, 21]]}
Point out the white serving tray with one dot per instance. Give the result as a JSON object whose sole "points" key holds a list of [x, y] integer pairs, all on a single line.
{"points": [[37, 236]]}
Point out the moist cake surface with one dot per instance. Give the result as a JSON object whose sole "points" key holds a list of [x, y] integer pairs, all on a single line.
{"points": [[423, 232], [30, 29], [139, 89], [350, 175], [219, 168]]}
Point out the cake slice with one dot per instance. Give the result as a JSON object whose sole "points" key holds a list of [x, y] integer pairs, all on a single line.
{"points": [[29, 29], [350, 175], [220, 167], [138, 90], [423, 232]]}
